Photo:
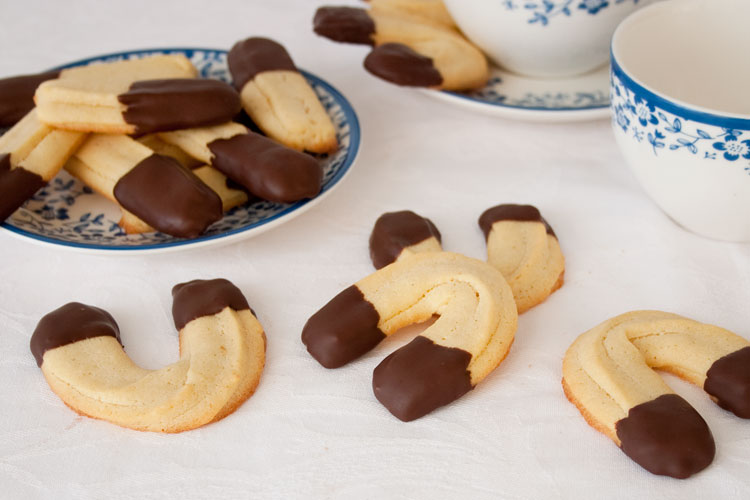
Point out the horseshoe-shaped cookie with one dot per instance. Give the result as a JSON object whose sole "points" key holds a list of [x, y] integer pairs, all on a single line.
{"points": [[222, 353], [470, 338], [608, 373]]}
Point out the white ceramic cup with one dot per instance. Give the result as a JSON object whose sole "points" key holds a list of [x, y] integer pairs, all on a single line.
{"points": [[681, 110], [543, 38]]}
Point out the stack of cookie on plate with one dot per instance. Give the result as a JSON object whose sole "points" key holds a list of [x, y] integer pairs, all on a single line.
{"points": [[161, 143]]}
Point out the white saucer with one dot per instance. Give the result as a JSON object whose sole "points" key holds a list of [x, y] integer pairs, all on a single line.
{"points": [[578, 98]]}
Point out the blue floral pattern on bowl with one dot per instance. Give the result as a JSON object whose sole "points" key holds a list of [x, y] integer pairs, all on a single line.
{"points": [[643, 120], [66, 212], [543, 10]]}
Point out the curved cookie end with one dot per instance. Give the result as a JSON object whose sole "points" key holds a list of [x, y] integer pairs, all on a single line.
{"points": [[395, 231], [267, 169], [666, 436], [256, 55], [420, 377], [199, 298], [344, 24], [728, 380], [511, 212], [68, 324], [343, 330], [184, 210], [399, 64]]}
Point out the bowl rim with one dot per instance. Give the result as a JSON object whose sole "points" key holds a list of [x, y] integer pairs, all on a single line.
{"points": [[675, 106]]}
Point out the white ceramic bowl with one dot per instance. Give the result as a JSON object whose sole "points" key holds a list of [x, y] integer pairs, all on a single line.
{"points": [[543, 38], [681, 110]]}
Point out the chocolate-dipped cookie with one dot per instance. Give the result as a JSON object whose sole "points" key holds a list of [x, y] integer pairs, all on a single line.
{"points": [[135, 96], [409, 49], [278, 98], [222, 353], [17, 96], [154, 190], [31, 154], [523, 246], [267, 169], [608, 373], [471, 337]]}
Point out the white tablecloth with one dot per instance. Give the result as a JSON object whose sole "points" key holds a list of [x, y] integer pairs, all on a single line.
{"points": [[309, 432]]}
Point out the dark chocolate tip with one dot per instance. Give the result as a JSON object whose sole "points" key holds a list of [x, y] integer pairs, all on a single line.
{"points": [[420, 377], [267, 169], [511, 212], [666, 436], [344, 24], [343, 330], [17, 95], [16, 186], [168, 197], [399, 64], [179, 103], [199, 298], [71, 323], [256, 55], [728, 380], [395, 231]]}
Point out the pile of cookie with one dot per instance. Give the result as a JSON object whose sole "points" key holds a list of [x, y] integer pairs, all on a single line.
{"points": [[416, 43], [161, 143]]}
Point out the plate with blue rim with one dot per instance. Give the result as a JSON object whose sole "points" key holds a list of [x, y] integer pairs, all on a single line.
{"points": [[508, 95], [67, 214]]}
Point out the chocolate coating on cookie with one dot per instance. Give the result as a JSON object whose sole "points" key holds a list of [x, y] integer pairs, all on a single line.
{"points": [[728, 380], [169, 197], [178, 103], [344, 24], [71, 323], [17, 95], [16, 186], [511, 212], [256, 55], [395, 231], [343, 330], [420, 377], [666, 436], [399, 64], [267, 169], [199, 298]]}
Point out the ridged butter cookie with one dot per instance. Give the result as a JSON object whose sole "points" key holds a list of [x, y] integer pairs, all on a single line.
{"points": [[267, 169], [608, 373], [31, 154], [135, 96], [474, 331], [523, 246], [158, 191], [408, 50], [222, 353], [278, 98]]}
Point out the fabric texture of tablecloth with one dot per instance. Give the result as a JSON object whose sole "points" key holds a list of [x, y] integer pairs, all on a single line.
{"points": [[309, 432]]}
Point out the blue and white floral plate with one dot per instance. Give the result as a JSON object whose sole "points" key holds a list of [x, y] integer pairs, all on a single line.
{"points": [[67, 214], [508, 95]]}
